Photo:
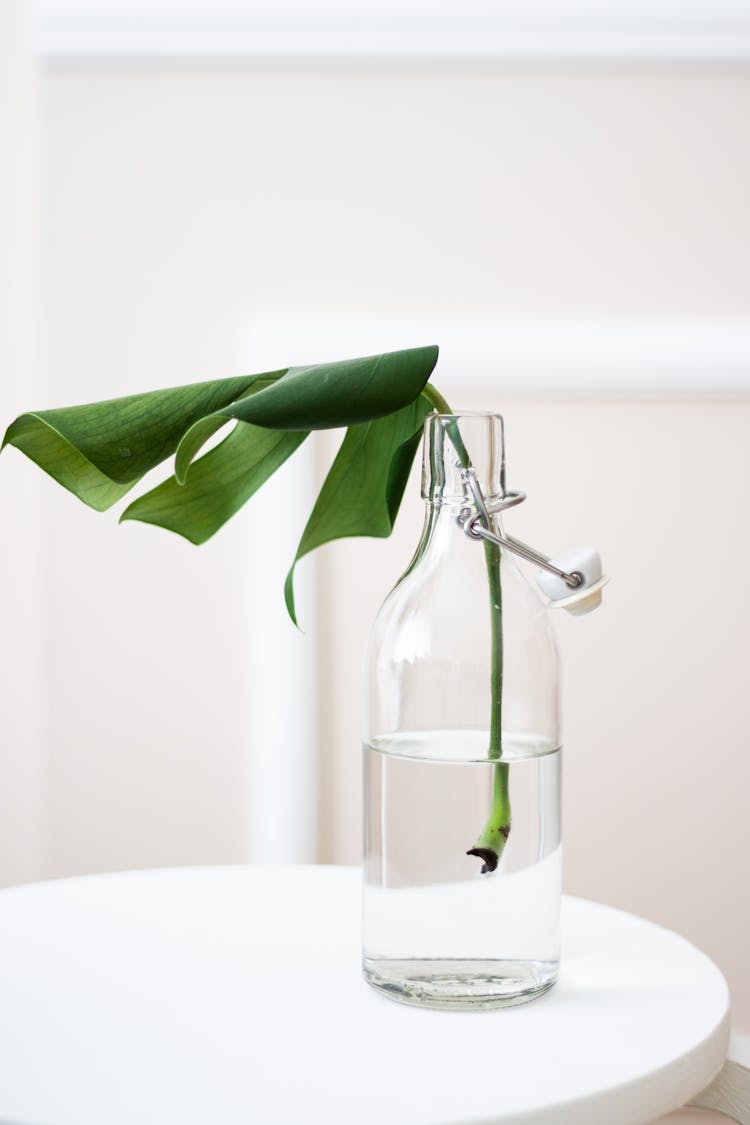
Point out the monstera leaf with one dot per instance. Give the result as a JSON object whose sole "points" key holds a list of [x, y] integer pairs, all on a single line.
{"points": [[363, 490], [102, 450]]}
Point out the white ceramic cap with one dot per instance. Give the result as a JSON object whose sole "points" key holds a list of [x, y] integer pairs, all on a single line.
{"points": [[584, 598]]}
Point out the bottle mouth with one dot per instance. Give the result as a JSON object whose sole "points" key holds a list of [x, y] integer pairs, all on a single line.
{"points": [[455, 442], [467, 414]]}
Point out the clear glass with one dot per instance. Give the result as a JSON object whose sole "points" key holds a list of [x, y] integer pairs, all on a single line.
{"points": [[462, 757]]}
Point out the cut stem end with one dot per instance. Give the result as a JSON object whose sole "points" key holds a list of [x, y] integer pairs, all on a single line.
{"points": [[488, 855], [484, 850]]}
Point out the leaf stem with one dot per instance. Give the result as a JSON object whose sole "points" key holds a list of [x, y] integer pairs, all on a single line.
{"points": [[491, 841]]}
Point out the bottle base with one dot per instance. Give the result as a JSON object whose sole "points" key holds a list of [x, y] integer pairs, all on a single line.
{"points": [[460, 985]]}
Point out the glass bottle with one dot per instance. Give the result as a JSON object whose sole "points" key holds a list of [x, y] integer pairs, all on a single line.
{"points": [[462, 755]]}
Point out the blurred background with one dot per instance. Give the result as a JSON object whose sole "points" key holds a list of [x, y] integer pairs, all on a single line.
{"points": [[557, 194]]}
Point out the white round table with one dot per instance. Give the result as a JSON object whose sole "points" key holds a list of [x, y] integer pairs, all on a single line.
{"points": [[215, 996]]}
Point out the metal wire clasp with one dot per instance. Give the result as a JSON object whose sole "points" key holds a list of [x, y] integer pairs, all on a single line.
{"points": [[478, 525]]}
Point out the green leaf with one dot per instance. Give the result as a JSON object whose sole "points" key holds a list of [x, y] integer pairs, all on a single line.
{"points": [[329, 395], [199, 433], [363, 490], [218, 485], [325, 396], [100, 450]]}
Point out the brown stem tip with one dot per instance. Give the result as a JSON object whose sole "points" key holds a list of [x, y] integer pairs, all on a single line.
{"points": [[488, 855]]}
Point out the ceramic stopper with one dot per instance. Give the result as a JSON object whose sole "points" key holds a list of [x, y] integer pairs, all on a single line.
{"points": [[581, 599]]}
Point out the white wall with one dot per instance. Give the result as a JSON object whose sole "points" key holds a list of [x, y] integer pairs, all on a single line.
{"points": [[188, 207], [22, 820]]}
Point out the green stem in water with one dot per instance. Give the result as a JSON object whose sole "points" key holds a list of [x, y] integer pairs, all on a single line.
{"points": [[491, 840]]}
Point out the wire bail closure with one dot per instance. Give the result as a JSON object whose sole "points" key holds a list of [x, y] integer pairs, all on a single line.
{"points": [[479, 526]]}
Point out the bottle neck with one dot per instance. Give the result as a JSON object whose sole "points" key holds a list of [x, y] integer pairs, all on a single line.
{"points": [[452, 444], [443, 532]]}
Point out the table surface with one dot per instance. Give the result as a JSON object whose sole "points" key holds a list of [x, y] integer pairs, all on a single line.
{"points": [[233, 995]]}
